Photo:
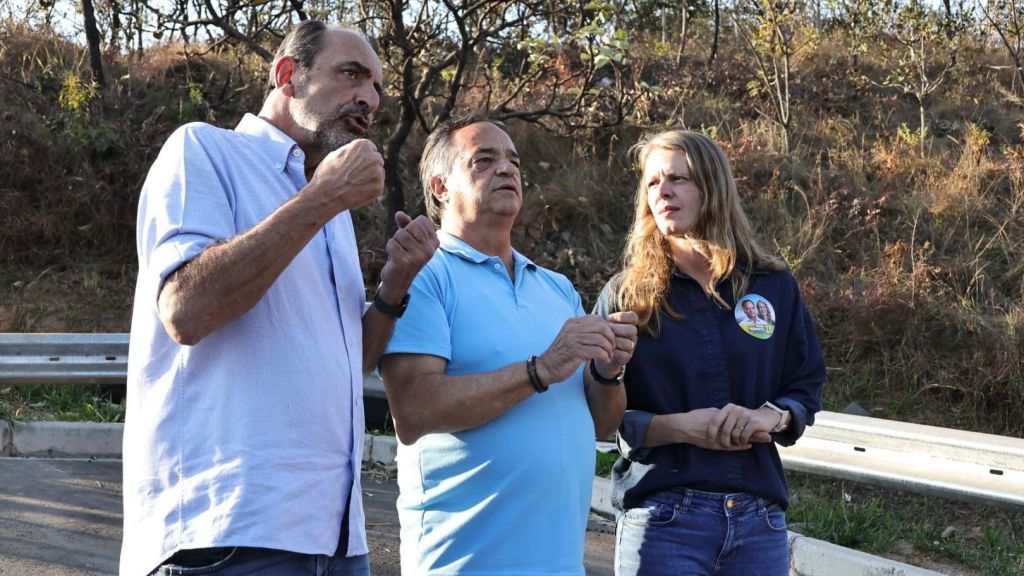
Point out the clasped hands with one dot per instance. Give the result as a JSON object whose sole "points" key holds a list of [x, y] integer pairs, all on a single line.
{"points": [[732, 427]]}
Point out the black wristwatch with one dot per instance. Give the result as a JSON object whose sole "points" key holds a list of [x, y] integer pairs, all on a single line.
{"points": [[388, 309], [613, 381]]}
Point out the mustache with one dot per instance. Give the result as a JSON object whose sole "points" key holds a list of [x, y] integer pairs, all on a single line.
{"points": [[356, 110]]}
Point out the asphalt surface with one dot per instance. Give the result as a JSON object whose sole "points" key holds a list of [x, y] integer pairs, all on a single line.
{"points": [[63, 517]]}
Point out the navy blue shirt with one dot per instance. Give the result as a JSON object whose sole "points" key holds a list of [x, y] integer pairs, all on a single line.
{"points": [[712, 357]]}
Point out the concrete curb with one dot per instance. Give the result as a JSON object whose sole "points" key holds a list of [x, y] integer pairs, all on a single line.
{"points": [[62, 439], [380, 449], [808, 557], [6, 438], [94, 440], [601, 498]]}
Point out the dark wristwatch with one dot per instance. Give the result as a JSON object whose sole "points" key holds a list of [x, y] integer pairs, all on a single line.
{"points": [[613, 381], [388, 309]]}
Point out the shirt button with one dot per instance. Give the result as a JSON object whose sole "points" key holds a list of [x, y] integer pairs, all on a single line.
{"points": [[278, 167], [296, 152], [497, 266], [729, 503]]}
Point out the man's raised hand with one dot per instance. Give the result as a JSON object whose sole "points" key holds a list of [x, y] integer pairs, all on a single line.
{"points": [[409, 249], [349, 177]]}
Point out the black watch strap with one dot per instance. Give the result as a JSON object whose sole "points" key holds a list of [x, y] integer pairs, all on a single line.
{"points": [[613, 381], [388, 309]]}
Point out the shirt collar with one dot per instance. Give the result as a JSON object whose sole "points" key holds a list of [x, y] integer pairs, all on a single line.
{"points": [[277, 146], [740, 267], [457, 246], [743, 268]]}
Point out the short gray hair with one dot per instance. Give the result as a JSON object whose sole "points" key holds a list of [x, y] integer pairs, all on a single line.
{"points": [[439, 154], [303, 44]]}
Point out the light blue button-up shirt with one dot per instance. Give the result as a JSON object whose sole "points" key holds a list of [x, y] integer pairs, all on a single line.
{"points": [[252, 437]]}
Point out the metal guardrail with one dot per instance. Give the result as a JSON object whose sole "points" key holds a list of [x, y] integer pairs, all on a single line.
{"points": [[63, 358], [953, 464], [84, 359]]}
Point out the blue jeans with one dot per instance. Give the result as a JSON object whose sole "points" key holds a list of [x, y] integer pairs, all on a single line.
{"points": [[683, 532], [264, 562]]}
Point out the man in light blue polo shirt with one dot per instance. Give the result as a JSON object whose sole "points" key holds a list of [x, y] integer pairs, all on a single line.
{"points": [[497, 382], [244, 426]]}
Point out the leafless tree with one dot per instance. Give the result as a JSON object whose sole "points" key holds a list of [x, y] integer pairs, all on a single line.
{"points": [[546, 61], [92, 38], [1006, 19], [497, 53]]}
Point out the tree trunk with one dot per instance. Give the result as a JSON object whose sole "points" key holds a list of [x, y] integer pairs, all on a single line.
{"points": [[115, 27], [138, 15], [395, 200], [714, 41], [395, 191], [92, 38], [684, 15], [395, 143], [298, 6], [923, 129]]}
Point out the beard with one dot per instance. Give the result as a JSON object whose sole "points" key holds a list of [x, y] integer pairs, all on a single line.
{"points": [[331, 134], [328, 129], [332, 131]]}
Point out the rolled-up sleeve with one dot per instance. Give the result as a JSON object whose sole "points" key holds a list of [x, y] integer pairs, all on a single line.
{"points": [[803, 378], [184, 207], [633, 433]]}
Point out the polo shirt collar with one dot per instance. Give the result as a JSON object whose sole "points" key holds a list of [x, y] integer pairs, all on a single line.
{"points": [[273, 143], [458, 247]]}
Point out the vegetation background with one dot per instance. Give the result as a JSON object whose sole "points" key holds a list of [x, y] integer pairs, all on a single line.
{"points": [[878, 148]]}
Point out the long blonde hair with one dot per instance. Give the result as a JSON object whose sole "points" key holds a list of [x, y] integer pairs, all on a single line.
{"points": [[721, 234]]}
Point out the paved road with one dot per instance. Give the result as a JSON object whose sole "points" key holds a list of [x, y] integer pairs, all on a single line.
{"points": [[63, 517]]}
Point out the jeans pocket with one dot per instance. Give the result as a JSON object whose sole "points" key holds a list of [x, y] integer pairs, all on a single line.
{"points": [[217, 560], [775, 518], [651, 514]]}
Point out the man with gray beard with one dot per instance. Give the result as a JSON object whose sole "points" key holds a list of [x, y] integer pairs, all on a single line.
{"points": [[244, 427]]}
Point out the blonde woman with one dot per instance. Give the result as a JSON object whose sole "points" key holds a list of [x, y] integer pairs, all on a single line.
{"points": [[699, 486], [764, 313]]}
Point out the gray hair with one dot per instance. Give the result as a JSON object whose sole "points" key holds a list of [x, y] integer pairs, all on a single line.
{"points": [[439, 154], [303, 44]]}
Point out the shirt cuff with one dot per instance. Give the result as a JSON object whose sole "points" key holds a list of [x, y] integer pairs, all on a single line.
{"points": [[171, 255], [800, 419], [633, 433]]}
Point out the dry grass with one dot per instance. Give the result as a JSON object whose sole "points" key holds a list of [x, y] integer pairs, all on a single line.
{"points": [[912, 263]]}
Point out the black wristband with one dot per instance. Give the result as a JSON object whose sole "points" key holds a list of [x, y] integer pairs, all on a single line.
{"points": [[388, 309], [614, 381], [531, 369]]}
